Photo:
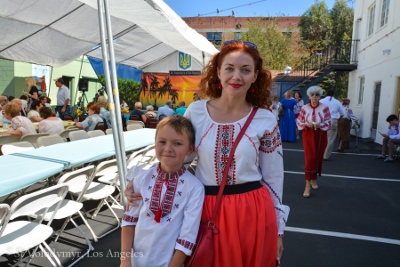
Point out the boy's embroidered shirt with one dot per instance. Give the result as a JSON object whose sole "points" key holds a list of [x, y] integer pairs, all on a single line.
{"points": [[180, 197]]}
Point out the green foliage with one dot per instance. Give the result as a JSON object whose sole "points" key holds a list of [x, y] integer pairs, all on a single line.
{"points": [[343, 17], [316, 27], [275, 47], [320, 28], [129, 90], [338, 81]]}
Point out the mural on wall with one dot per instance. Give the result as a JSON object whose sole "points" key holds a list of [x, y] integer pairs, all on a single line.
{"points": [[41, 75], [157, 88]]}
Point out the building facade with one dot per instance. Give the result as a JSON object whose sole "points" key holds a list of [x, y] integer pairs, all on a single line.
{"points": [[374, 88], [222, 28], [13, 74]]}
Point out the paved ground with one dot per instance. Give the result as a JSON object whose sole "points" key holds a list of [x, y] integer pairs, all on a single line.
{"points": [[353, 219]]}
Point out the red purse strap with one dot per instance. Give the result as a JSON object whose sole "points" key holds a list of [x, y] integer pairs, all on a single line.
{"points": [[227, 166]]}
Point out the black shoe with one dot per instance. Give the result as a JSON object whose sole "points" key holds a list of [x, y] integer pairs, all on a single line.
{"points": [[380, 157], [388, 160]]}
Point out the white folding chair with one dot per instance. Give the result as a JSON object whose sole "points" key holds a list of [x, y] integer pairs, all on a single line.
{"points": [[133, 126], [142, 157], [32, 138], [9, 138], [107, 173], [16, 147], [67, 209], [108, 131], [95, 133], [21, 236], [135, 122], [82, 188], [78, 135], [65, 134], [49, 140]]}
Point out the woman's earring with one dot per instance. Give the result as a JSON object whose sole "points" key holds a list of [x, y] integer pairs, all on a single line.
{"points": [[252, 89], [219, 86]]}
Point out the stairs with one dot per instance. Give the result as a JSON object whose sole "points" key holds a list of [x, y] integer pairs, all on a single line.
{"points": [[315, 68]]}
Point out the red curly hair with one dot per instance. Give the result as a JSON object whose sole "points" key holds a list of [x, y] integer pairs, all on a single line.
{"points": [[208, 85]]}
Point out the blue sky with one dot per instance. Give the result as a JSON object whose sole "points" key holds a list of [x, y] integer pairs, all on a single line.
{"points": [[243, 8]]}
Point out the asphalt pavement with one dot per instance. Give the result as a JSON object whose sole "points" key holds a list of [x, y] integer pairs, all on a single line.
{"points": [[352, 219]]}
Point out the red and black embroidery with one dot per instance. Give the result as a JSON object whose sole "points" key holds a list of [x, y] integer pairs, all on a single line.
{"points": [[128, 218], [224, 142], [270, 141], [171, 179], [185, 243]]}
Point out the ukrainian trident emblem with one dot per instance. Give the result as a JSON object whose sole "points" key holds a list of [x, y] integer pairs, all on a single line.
{"points": [[185, 60]]}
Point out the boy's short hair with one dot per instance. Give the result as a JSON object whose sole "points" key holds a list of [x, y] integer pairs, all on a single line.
{"points": [[180, 124], [392, 118]]}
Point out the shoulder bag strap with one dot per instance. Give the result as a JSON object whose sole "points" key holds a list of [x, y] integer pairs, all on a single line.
{"points": [[227, 166]]}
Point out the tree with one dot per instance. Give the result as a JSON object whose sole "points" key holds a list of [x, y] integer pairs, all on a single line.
{"points": [[275, 47], [128, 89], [316, 27], [317, 32], [343, 17]]}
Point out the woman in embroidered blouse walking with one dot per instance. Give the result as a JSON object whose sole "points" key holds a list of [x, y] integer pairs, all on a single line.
{"points": [[251, 218], [163, 228], [315, 121]]}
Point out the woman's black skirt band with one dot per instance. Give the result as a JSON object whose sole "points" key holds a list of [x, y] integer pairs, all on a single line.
{"points": [[233, 189]]}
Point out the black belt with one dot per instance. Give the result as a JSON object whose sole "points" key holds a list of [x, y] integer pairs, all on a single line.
{"points": [[233, 189]]}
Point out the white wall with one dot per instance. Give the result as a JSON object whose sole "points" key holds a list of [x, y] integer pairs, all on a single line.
{"points": [[377, 64]]}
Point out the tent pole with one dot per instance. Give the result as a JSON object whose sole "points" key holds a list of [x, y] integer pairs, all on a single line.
{"points": [[114, 105], [77, 85]]}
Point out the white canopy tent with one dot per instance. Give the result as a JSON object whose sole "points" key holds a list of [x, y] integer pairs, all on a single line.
{"points": [[56, 32]]}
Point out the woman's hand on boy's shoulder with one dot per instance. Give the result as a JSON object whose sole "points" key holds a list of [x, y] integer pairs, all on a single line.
{"points": [[131, 196]]}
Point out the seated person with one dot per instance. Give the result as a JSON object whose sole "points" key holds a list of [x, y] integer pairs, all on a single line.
{"points": [[181, 108], [33, 114], [166, 110], [22, 110], [390, 139], [104, 113], [49, 124], [20, 125], [89, 124], [150, 112], [3, 101], [139, 113], [43, 100]]}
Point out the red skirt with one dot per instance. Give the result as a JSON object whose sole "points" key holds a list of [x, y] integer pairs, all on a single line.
{"points": [[314, 143], [248, 233]]}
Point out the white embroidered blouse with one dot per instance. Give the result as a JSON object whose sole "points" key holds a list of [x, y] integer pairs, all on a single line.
{"points": [[258, 156], [180, 196]]}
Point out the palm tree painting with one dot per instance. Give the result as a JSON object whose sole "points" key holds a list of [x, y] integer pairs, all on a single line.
{"points": [[196, 97], [174, 95], [144, 86], [154, 88]]}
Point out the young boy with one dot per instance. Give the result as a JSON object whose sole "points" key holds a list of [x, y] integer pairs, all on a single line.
{"points": [[162, 230]]}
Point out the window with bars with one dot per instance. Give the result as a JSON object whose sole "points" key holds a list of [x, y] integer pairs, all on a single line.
{"points": [[385, 12], [361, 91], [214, 37], [371, 20]]}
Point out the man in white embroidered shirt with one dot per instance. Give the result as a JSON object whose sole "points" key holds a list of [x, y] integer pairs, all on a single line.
{"points": [[336, 109], [390, 139]]}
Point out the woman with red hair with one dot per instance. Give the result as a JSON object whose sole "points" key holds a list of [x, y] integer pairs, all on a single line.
{"points": [[251, 218]]}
